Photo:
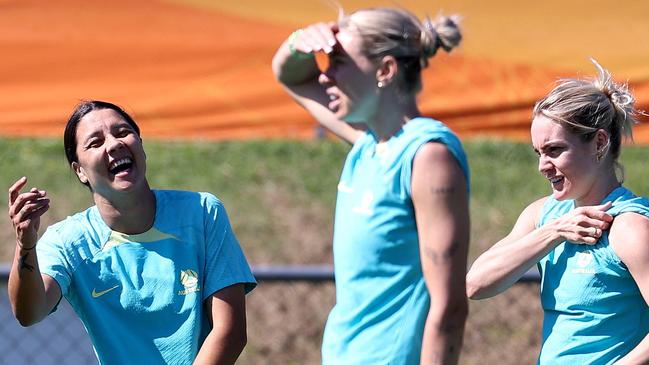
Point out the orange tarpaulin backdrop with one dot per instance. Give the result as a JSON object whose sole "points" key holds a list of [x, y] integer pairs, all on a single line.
{"points": [[201, 69]]}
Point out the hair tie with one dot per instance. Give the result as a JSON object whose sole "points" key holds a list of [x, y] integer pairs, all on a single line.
{"points": [[437, 41]]}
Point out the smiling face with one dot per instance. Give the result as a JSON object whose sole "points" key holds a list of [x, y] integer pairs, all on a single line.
{"points": [[110, 153], [569, 163], [351, 80]]}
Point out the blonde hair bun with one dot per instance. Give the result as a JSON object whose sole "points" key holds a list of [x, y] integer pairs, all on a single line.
{"points": [[443, 32], [620, 97]]}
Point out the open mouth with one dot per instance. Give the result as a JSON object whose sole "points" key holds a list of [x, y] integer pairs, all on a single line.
{"points": [[120, 165], [333, 102], [556, 180]]}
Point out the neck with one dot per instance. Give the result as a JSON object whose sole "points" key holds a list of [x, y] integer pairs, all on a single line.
{"points": [[599, 191], [130, 212], [390, 117]]}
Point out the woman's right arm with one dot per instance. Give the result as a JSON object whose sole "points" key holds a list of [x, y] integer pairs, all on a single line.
{"points": [[502, 265], [32, 295], [295, 67]]}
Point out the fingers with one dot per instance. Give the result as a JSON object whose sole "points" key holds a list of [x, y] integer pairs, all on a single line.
{"points": [[32, 210], [593, 232], [601, 223], [26, 199], [14, 190], [25, 216], [599, 212], [318, 37], [596, 212], [604, 206], [25, 210], [586, 225]]}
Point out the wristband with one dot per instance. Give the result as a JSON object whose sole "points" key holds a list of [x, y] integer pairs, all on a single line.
{"points": [[294, 52], [25, 249]]}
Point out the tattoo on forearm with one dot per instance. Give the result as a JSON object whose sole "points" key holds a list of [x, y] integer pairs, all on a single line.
{"points": [[444, 190], [443, 257], [22, 263]]}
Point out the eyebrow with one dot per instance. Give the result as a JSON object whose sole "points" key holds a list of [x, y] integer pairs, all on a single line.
{"points": [[546, 144], [85, 139], [122, 125]]}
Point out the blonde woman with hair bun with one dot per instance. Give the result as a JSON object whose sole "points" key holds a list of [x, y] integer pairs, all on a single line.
{"points": [[589, 238], [401, 228]]}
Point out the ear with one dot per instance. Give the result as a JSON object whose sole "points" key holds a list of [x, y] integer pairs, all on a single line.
{"points": [[142, 143], [602, 143], [80, 173], [387, 70]]}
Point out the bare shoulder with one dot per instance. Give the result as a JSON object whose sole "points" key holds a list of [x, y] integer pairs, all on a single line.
{"points": [[532, 213], [435, 169], [629, 237], [434, 152]]}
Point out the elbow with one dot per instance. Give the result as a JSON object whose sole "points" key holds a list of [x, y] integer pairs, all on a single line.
{"points": [[472, 288], [25, 313], [475, 288], [452, 317], [24, 322], [237, 339], [25, 319], [276, 66], [241, 340], [276, 69]]}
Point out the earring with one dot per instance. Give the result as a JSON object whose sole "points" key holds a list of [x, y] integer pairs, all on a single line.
{"points": [[380, 84]]}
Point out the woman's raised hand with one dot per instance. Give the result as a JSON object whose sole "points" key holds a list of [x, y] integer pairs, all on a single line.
{"points": [[584, 225], [318, 37], [25, 210]]}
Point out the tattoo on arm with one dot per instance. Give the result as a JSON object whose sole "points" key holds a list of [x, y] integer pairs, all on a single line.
{"points": [[22, 263], [443, 257]]}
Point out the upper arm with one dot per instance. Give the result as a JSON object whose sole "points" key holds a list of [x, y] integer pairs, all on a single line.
{"points": [[527, 221], [52, 292], [312, 97], [440, 199], [226, 309], [629, 238]]}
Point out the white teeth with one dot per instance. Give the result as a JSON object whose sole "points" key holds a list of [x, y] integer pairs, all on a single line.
{"points": [[120, 162]]}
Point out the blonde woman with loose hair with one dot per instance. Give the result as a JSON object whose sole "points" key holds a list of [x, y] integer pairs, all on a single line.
{"points": [[589, 238], [401, 229]]}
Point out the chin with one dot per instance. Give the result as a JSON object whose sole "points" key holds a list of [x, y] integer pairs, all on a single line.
{"points": [[561, 195]]}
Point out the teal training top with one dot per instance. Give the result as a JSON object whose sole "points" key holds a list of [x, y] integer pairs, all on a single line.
{"points": [[381, 297], [140, 297], [594, 312]]}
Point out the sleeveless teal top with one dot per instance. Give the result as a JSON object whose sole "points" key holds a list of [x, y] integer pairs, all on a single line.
{"points": [[381, 297], [594, 312]]}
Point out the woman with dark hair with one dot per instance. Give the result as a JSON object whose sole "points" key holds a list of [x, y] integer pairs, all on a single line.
{"points": [[156, 276], [401, 229], [589, 238]]}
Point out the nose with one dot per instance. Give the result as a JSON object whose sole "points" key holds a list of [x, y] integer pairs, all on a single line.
{"points": [[114, 144], [544, 164]]}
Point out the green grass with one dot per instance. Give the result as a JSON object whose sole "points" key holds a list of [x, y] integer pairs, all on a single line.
{"points": [[280, 191]]}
